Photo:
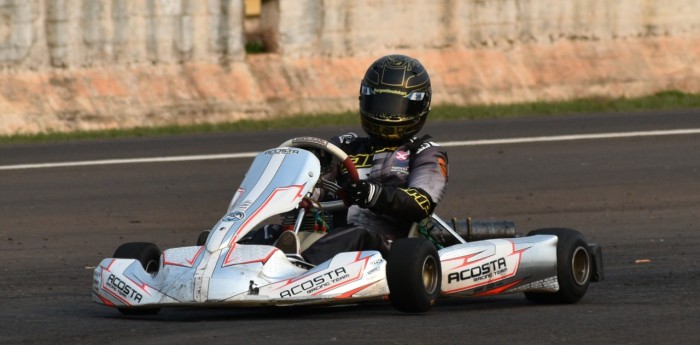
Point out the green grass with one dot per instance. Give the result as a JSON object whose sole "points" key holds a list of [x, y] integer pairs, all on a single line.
{"points": [[662, 100], [658, 101]]}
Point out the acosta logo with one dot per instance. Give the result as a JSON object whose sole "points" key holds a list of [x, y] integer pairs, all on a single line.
{"points": [[479, 272], [281, 152], [123, 289], [316, 283]]}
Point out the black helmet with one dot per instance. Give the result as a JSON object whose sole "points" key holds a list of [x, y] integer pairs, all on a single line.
{"points": [[394, 98]]}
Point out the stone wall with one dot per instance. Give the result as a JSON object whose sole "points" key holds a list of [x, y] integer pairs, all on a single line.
{"points": [[342, 28], [59, 34], [85, 64]]}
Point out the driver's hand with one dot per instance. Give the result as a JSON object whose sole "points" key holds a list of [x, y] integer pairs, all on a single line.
{"points": [[361, 193]]}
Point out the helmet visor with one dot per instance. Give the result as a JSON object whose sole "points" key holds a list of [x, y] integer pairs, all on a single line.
{"points": [[393, 106]]}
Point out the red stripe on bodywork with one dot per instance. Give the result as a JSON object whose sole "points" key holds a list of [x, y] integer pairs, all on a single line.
{"points": [[466, 259], [490, 281], [232, 243], [349, 280], [141, 285], [191, 262], [263, 260], [105, 301], [498, 290]]}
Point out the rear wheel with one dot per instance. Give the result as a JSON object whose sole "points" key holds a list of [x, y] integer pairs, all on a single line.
{"points": [[413, 273], [148, 255], [574, 266]]}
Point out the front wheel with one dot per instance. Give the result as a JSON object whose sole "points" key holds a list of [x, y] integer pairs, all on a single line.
{"points": [[413, 273], [574, 266], [148, 255], [202, 238]]}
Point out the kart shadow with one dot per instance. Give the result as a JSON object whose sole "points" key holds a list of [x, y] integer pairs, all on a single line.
{"points": [[506, 302], [318, 313]]}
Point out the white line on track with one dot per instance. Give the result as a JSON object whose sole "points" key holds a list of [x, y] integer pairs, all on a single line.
{"points": [[572, 137], [129, 161], [445, 144]]}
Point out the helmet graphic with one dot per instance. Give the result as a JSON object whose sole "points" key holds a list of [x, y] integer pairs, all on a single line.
{"points": [[394, 98]]}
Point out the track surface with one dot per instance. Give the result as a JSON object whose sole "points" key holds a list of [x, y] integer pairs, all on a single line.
{"points": [[638, 197]]}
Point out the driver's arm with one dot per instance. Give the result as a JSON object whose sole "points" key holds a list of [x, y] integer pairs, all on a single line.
{"points": [[412, 204], [426, 187]]}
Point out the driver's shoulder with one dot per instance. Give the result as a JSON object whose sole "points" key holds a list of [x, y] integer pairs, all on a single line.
{"points": [[422, 145]]}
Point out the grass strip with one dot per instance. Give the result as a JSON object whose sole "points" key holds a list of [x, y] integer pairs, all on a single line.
{"points": [[659, 101]]}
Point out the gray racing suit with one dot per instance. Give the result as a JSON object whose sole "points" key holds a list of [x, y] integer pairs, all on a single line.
{"points": [[413, 177]]}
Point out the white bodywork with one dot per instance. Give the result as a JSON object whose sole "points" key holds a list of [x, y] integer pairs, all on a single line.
{"points": [[224, 272], [496, 266]]}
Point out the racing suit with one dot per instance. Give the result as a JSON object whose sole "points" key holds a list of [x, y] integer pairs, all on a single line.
{"points": [[413, 177]]}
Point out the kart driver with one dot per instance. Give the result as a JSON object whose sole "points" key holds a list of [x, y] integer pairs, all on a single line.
{"points": [[402, 177]]}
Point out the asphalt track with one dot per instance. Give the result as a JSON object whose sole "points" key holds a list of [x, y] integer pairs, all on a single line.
{"points": [[637, 196]]}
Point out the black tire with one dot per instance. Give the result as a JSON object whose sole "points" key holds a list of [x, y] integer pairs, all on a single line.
{"points": [[414, 274], [574, 268], [202, 239], [148, 255]]}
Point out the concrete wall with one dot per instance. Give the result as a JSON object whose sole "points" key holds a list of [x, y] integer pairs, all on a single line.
{"points": [[341, 28], [88, 64], [41, 35]]}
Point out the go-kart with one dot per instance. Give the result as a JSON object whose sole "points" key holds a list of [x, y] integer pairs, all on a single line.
{"points": [[438, 259]]}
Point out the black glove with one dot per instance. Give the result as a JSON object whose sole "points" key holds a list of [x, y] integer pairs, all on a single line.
{"points": [[362, 193]]}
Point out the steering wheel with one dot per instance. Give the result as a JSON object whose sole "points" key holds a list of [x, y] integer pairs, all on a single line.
{"points": [[339, 155]]}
